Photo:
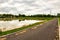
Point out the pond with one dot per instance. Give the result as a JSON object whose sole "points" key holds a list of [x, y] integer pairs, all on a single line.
{"points": [[9, 25]]}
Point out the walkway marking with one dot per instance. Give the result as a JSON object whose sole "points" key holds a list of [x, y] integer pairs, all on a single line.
{"points": [[21, 32], [34, 28], [2, 38], [54, 39], [56, 36]]}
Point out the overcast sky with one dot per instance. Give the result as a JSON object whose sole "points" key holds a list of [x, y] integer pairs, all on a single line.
{"points": [[30, 7]]}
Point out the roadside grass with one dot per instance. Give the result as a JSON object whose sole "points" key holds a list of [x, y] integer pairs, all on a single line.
{"points": [[59, 20], [29, 26]]}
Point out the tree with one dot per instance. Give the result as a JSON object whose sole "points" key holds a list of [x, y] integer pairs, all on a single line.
{"points": [[58, 15]]}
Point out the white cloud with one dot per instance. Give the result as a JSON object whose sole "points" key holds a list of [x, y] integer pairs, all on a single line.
{"points": [[30, 7]]}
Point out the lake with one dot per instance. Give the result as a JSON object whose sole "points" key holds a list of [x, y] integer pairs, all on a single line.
{"points": [[13, 24]]}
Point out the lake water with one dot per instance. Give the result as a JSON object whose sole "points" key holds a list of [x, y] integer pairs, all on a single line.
{"points": [[9, 25]]}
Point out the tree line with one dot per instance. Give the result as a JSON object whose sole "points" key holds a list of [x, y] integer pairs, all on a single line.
{"points": [[58, 15], [22, 15]]}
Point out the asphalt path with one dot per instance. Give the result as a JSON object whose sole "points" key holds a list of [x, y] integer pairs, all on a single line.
{"points": [[45, 31]]}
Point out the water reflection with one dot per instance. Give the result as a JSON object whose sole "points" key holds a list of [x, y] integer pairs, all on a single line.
{"points": [[9, 25]]}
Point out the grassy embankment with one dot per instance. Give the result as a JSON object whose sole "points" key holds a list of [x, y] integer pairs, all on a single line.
{"points": [[28, 18], [59, 20]]}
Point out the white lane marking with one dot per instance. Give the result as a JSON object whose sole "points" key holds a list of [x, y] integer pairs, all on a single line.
{"points": [[2, 38]]}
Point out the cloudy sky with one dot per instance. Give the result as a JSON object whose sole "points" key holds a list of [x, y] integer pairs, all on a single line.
{"points": [[30, 7]]}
